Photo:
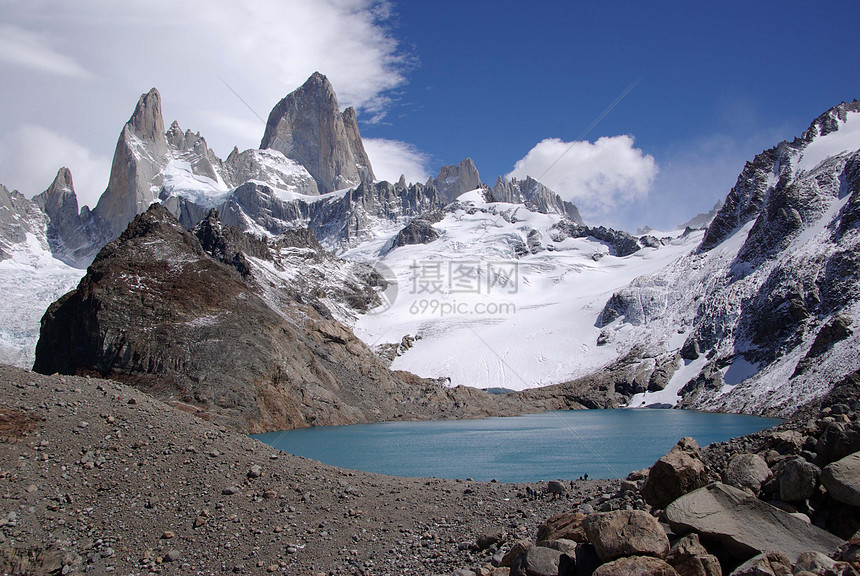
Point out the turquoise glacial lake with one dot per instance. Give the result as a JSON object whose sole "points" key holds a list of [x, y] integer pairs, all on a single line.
{"points": [[553, 445]]}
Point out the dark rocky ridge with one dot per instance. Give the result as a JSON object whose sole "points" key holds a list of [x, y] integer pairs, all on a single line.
{"points": [[157, 311]]}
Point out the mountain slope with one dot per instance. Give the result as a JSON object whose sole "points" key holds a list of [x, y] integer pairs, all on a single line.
{"points": [[767, 302]]}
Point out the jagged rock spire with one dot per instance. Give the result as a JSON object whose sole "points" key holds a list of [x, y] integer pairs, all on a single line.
{"points": [[141, 155], [308, 127]]}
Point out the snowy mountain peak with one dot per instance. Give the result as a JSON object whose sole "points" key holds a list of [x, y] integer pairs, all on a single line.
{"points": [[308, 127]]}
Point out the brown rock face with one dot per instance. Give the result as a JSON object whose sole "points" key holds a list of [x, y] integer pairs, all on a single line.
{"points": [[567, 526], [157, 311], [626, 533], [675, 474], [308, 127]]}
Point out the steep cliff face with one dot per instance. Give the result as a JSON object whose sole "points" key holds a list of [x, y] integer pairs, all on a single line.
{"points": [[308, 127], [457, 179], [217, 335], [73, 236], [138, 163]]}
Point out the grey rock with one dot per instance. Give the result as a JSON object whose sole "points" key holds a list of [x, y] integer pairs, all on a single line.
{"points": [[456, 180], [748, 472], [814, 562], [797, 480], [626, 533], [842, 479], [270, 167], [308, 127], [744, 525], [418, 231], [74, 236], [636, 566], [136, 171], [537, 561], [172, 556], [765, 564], [536, 196], [680, 471], [838, 440]]}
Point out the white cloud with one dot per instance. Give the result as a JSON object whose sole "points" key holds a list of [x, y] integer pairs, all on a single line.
{"points": [[23, 48], [31, 156], [597, 177], [391, 158]]}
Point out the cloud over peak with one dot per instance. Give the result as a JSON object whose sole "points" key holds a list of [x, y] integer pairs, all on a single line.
{"points": [[597, 176]]}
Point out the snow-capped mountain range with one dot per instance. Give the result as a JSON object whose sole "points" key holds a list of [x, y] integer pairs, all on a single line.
{"points": [[494, 287]]}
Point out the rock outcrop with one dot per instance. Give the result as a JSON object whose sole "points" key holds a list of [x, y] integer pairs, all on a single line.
{"points": [[455, 180], [535, 195], [308, 127]]}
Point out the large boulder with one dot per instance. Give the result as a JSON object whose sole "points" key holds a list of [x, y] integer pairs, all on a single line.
{"points": [[838, 440], [689, 558], [842, 479], [745, 526], [566, 526], [636, 566], [626, 533], [747, 472], [537, 561], [675, 474], [798, 480]]}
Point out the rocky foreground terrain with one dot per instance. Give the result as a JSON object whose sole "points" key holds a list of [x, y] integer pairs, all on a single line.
{"points": [[98, 477]]}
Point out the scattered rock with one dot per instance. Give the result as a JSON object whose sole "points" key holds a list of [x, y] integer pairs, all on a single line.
{"points": [[172, 556], [255, 472], [765, 564], [492, 536], [517, 549], [636, 566]]}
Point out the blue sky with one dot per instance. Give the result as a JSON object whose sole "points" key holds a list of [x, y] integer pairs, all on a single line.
{"points": [[503, 83]]}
